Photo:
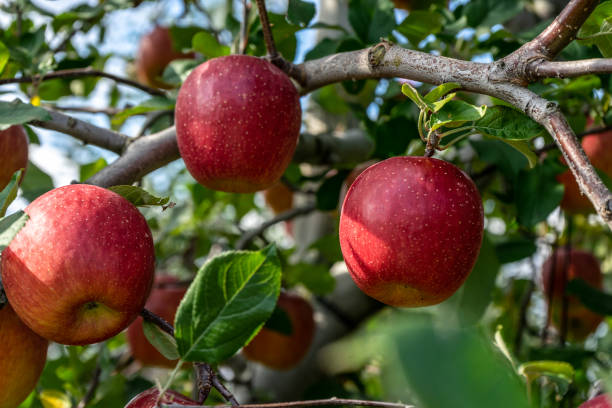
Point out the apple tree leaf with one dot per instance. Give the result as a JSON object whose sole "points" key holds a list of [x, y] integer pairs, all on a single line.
{"points": [[10, 192], [597, 29], [4, 56], [559, 372], [414, 95], [155, 104], [419, 24], [230, 299], [455, 113], [10, 226], [279, 322], [89, 169], [594, 299], [539, 195], [439, 91], [300, 12], [35, 183], [17, 112], [206, 44], [509, 124], [162, 341], [138, 196]]}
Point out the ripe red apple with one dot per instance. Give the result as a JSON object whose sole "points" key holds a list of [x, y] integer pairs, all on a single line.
{"points": [[580, 264], [163, 301], [22, 358], [350, 179], [13, 153], [148, 399], [598, 148], [81, 268], [237, 123], [600, 401], [410, 230], [279, 197], [281, 351], [154, 54]]}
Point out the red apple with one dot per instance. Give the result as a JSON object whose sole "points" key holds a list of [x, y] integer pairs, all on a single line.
{"points": [[13, 153], [237, 123], [81, 268], [22, 358], [281, 351], [410, 230], [279, 197], [600, 401], [350, 179], [154, 54], [580, 264], [598, 148], [148, 399], [163, 301]]}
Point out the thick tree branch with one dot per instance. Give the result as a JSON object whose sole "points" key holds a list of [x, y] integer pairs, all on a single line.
{"points": [[84, 131], [562, 30], [570, 69], [81, 73]]}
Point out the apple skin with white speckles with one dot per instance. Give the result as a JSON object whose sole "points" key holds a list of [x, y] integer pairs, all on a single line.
{"points": [[600, 401], [148, 399], [81, 268], [411, 230], [237, 123], [13, 151]]}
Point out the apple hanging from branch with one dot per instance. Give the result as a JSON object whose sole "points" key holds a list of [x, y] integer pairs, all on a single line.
{"points": [[22, 358], [81, 268], [237, 123], [14, 153], [411, 230]]}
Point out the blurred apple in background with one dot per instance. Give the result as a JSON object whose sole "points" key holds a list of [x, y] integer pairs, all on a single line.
{"points": [[13, 153]]}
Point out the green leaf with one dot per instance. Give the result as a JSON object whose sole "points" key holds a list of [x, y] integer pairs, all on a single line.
{"points": [[494, 151], [515, 249], [316, 278], [592, 298], [455, 113], [178, 70], [539, 193], [300, 12], [4, 56], [439, 91], [162, 341], [35, 183], [487, 13], [231, 297], [419, 24], [150, 105], [414, 96], [328, 193], [507, 123], [89, 169], [597, 29], [138, 196], [476, 293], [322, 49], [17, 113], [329, 247], [9, 193], [525, 149], [206, 44], [535, 369], [10, 226], [279, 322]]}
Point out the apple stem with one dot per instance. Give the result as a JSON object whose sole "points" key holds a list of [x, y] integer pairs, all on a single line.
{"points": [[204, 376], [432, 143], [267, 31]]}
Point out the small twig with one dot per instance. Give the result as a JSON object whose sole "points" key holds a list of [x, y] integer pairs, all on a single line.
{"points": [[204, 376], [550, 297], [522, 323], [106, 111], [80, 73], [151, 317], [151, 119], [229, 397], [571, 69], [284, 216], [565, 297], [312, 403], [93, 385], [267, 31], [244, 27]]}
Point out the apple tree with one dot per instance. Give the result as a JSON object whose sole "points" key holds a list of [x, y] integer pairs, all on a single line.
{"points": [[305, 203]]}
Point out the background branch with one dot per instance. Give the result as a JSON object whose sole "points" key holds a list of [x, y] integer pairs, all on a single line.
{"points": [[571, 69], [80, 73], [313, 403]]}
